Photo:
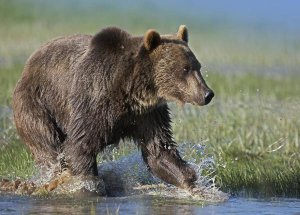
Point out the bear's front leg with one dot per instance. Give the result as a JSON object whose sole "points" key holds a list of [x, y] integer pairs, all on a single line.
{"points": [[159, 151], [166, 163]]}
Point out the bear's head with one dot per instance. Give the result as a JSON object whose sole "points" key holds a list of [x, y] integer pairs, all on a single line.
{"points": [[177, 74]]}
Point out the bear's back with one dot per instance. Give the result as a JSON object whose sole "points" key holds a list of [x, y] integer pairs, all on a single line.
{"points": [[58, 54], [51, 66], [48, 73]]}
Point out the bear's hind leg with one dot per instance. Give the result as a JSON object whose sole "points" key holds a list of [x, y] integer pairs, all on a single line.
{"points": [[38, 130]]}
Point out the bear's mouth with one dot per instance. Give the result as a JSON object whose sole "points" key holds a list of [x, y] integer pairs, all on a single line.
{"points": [[198, 101]]}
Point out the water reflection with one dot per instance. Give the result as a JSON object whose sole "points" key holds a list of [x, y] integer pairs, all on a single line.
{"points": [[124, 205], [145, 205]]}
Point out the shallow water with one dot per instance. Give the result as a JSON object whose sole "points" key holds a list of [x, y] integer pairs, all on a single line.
{"points": [[145, 205]]}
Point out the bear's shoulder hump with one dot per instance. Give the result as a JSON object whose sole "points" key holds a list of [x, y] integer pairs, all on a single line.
{"points": [[110, 37]]}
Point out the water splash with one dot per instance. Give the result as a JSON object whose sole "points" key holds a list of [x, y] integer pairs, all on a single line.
{"points": [[129, 176]]}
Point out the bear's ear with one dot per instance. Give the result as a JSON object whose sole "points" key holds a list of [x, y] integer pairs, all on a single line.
{"points": [[151, 39], [183, 33]]}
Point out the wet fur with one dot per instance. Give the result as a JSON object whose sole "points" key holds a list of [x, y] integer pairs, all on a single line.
{"points": [[79, 94]]}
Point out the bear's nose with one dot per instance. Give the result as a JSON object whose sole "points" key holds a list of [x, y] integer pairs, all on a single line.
{"points": [[208, 96]]}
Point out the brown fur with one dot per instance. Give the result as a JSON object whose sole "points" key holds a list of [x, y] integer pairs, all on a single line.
{"points": [[80, 93], [182, 33], [151, 39]]}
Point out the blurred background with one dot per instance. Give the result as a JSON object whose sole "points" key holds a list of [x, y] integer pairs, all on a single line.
{"points": [[254, 36], [250, 52]]}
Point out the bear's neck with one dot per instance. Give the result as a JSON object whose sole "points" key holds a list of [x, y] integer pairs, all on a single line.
{"points": [[143, 102], [143, 93]]}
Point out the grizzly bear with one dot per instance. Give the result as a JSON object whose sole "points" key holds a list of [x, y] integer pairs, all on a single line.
{"points": [[79, 94]]}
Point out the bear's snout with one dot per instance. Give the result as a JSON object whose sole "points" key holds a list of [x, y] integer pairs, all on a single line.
{"points": [[200, 94], [203, 97]]}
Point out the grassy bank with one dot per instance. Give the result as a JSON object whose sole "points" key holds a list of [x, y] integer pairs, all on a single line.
{"points": [[251, 128]]}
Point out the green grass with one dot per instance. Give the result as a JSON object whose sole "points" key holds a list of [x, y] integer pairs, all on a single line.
{"points": [[16, 161], [256, 143], [252, 126]]}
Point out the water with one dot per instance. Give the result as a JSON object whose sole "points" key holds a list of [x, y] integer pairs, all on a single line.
{"points": [[145, 205]]}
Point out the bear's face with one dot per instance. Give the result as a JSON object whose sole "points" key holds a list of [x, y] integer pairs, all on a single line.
{"points": [[176, 69]]}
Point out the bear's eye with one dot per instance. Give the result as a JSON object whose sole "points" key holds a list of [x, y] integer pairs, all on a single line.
{"points": [[186, 69]]}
